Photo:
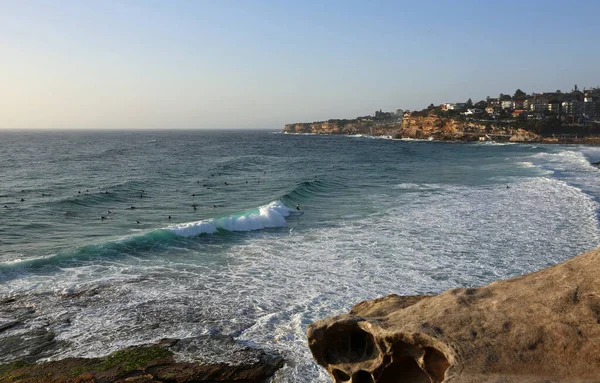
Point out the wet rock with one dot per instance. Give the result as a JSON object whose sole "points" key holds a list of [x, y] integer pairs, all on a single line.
{"points": [[541, 327], [170, 360], [29, 346]]}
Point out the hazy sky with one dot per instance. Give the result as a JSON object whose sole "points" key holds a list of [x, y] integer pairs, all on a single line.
{"points": [[260, 64]]}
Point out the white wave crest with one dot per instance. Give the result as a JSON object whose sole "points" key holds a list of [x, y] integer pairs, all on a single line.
{"points": [[271, 215]]}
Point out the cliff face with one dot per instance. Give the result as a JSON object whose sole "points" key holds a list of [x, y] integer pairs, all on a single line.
{"points": [[423, 127], [444, 128], [331, 127], [541, 327]]}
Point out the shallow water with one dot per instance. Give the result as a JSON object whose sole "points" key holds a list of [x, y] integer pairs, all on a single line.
{"points": [[377, 217]]}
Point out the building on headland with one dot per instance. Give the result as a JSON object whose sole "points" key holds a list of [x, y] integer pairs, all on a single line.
{"points": [[458, 106], [507, 104], [573, 107], [554, 107], [494, 102], [538, 103], [473, 111]]}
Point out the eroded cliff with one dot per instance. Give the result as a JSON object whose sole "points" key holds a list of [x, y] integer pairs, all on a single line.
{"points": [[420, 127], [541, 327]]}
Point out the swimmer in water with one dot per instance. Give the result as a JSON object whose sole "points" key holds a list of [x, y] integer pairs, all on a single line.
{"points": [[169, 217], [298, 206], [22, 199], [132, 207], [109, 212], [6, 207], [102, 217], [137, 222]]}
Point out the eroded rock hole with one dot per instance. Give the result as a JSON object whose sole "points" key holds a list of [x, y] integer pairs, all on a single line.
{"points": [[403, 369], [350, 346], [340, 376], [362, 377], [435, 364]]}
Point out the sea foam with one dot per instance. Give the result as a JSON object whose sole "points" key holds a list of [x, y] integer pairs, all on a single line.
{"points": [[271, 215]]}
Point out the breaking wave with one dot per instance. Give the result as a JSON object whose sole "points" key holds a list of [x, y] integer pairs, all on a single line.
{"points": [[268, 216], [272, 215]]}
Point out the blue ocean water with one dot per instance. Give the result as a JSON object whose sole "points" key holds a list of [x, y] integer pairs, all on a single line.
{"points": [[236, 257]]}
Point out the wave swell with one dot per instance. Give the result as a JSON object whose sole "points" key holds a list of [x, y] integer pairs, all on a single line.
{"points": [[268, 216], [271, 215]]}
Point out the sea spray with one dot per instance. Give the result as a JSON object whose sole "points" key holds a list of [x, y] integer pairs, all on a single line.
{"points": [[268, 216]]}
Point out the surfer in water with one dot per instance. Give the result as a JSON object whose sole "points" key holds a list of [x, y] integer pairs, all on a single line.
{"points": [[298, 206]]}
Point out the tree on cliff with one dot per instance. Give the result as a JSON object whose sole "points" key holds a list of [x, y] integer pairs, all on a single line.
{"points": [[469, 103], [519, 95], [505, 97], [481, 104]]}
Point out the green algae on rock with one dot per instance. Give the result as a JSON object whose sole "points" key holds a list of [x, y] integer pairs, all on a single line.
{"points": [[148, 363]]}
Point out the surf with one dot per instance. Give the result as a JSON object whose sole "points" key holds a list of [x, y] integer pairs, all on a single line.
{"points": [[271, 215]]}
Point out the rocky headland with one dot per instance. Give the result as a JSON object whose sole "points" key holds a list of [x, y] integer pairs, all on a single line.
{"points": [[541, 327], [436, 127]]}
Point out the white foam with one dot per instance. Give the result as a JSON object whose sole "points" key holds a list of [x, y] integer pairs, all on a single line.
{"points": [[271, 215], [526, 164]]}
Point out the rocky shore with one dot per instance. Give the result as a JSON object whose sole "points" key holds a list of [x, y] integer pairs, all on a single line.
{"points": [[541, 327], [436, 127], [165, 361]]}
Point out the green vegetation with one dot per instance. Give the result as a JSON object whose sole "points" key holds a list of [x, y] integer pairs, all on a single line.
{"points": [[125, 360], [7, 369], [519, 95], [137, 357]]}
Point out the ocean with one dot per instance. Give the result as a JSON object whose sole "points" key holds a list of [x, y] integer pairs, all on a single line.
{"points": [[112, 239]]}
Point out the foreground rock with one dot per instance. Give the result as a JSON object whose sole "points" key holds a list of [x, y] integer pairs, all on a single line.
{"points": [[159, 362], [541, 327]]}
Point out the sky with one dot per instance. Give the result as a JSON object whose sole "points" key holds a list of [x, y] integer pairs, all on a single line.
{"points": [[124, 64]]}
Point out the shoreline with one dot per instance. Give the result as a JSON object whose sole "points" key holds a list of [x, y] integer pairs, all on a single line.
{"points": [[592, 141]]}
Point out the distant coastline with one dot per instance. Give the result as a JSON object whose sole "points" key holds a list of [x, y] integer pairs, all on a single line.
{"points": [[556, 117], [432, 127]]}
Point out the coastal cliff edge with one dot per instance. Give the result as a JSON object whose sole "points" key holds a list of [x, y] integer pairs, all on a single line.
{"points": [[540, 327]]}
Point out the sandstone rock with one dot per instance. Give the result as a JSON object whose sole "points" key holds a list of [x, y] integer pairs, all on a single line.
{"points": [[541, 327]]}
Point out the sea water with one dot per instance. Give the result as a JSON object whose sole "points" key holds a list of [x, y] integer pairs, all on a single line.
{"points": [[236, 257]]}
